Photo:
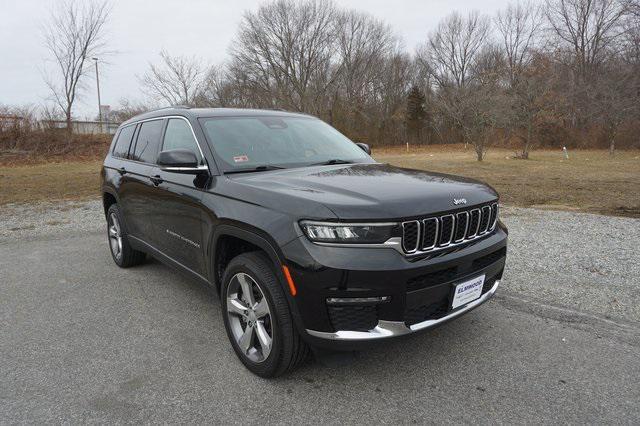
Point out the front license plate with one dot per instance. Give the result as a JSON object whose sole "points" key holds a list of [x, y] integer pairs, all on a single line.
{"points": [[467, 291]]}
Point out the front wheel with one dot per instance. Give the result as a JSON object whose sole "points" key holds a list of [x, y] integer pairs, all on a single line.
{"points": [[257, 317]]}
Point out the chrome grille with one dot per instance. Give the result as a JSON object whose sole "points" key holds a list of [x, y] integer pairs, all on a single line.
{"points": [[435, 233]]}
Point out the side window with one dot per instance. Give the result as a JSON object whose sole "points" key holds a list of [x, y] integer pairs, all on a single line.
{"points": [[179, 136], [148, 141], [121, 149]]}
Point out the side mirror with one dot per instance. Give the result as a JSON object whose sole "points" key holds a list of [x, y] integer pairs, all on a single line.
{"points": [[179, 161], [364, 147]]}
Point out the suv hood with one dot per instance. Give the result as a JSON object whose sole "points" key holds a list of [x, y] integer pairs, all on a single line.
{"points": [[364, 191]]}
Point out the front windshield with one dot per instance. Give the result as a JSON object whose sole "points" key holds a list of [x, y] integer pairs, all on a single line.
{"points": [[249, 142]]}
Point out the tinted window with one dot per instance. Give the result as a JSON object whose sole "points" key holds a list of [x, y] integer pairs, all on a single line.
{"points": [[124, 140], [179, 136], [148, 141]]}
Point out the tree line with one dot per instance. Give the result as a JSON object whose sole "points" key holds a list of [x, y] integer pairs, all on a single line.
{"points": [[553, 73]]}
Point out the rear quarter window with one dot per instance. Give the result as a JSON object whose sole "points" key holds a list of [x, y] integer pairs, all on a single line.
{"points": [[121, 148]]}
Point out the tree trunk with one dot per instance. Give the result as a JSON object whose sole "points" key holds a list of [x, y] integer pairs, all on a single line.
{"points": [[67, 114], [612, 147], [612, 140], [527, 143]]}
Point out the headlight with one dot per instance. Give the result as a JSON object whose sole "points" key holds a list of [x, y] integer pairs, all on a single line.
{"points": [[349, 233]]}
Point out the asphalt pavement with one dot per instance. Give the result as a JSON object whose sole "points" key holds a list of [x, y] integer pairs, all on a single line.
{"points": [[84, 341]]}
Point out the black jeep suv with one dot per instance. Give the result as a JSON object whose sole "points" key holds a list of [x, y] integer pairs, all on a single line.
{"points": [[308, 240]]}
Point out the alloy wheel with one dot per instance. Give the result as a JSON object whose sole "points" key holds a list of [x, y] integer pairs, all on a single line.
{"points": [[115, 236], [249, 317]]}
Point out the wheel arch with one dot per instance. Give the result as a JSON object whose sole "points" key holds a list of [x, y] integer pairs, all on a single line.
{"points": [[246, 234], [109, 197], [263, 242]]}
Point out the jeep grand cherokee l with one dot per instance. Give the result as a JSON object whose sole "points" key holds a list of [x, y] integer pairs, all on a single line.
{"points": [[309, 241]]}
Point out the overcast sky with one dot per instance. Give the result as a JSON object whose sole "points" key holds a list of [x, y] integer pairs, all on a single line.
{"points": [[139, 29]]}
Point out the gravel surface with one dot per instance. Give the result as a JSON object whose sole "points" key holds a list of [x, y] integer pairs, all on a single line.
{"points": [[82, 341]]}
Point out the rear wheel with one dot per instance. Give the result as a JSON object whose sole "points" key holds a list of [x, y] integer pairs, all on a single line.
{"points": [[258, 319], [121, 251]]}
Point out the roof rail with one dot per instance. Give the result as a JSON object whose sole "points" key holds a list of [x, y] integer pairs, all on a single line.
{"points": [[168, 107]]}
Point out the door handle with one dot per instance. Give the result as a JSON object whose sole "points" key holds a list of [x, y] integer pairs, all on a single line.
{"points": [[157, 180], [122, 171]]}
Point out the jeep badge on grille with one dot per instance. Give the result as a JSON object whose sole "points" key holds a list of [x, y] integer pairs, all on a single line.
{"points": [[458, 201]]}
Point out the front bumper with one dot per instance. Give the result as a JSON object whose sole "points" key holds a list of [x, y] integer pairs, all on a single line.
{"points": [[386, 329], [417, 293]]}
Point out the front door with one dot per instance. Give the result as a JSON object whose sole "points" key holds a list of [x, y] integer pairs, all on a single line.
{"points": [[179, 216]]}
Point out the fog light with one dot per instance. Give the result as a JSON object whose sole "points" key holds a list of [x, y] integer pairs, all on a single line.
{"points": [[357, 300]]}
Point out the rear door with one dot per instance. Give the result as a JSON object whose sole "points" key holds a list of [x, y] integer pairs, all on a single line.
{"points": [[179, 215], [137, 191]]}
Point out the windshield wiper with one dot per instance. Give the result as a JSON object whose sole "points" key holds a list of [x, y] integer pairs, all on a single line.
{"points": [[262, 168], [333, 161]]}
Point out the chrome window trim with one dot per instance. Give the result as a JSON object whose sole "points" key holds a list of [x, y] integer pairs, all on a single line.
{"points": [[166, 117], [453, 230], [418, 237], [435, 239], [183, 169], [466, 227]]}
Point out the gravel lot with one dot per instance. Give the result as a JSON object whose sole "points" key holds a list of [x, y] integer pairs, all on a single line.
{"points": [[83, 341]]}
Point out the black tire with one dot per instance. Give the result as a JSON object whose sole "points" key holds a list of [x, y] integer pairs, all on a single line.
{"points": [[288, 350], [124, 256]]}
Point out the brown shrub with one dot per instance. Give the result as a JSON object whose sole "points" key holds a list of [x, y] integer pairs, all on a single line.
{"points": [[23, 144]]}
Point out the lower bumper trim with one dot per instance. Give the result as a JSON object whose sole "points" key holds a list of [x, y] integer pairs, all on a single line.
{"points": [[386, 329]]}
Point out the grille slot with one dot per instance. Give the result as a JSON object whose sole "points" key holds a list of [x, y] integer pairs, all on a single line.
{"points": [[436, 233], [494, 216], [462, 223], [485, 215], [429, 233], [474, 223], [410, 236], [447, 224]]}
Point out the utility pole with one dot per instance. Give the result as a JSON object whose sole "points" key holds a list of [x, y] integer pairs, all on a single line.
{"points": [[99, 103]]}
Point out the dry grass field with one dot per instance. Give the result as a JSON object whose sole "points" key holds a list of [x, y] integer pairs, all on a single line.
{"points": [[589, 181], [49, 182]]}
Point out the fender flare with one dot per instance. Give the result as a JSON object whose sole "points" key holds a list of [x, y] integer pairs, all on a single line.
{"points": [[250, 234], [261, 240]]}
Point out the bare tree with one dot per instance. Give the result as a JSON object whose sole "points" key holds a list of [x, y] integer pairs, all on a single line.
{"points": [[178, 80], [453, 47], [283, 52], [364, 44], [127, 110], [519, 26], [588, 29], [74, 34]]}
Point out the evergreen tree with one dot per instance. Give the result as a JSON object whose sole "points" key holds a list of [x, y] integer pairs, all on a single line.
{"points": [[416, 114]]}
